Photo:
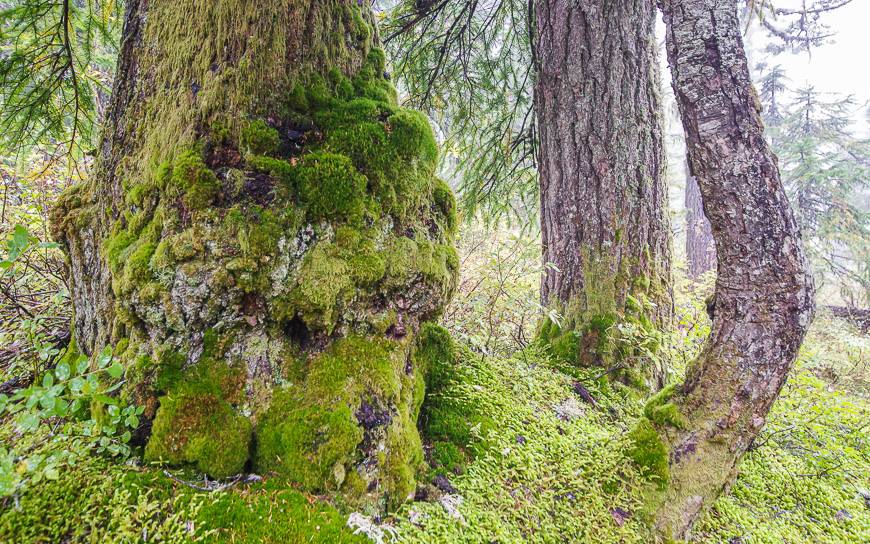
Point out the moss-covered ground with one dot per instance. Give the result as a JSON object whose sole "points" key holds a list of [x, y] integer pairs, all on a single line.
{"points": [[516, 455]]}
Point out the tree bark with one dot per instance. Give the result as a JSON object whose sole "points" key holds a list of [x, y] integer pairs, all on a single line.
{"points": [[693, 435], [604, 218], [261, 241], [700, 249]]}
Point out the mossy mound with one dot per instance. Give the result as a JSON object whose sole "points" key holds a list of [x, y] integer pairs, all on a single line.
{"points": [[96, 501]]}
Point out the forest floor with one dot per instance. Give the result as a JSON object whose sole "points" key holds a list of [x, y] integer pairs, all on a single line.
{"points": [[548, 466], [535, 453]]}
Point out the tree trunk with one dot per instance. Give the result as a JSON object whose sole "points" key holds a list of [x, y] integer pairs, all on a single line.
{"points": [[604, 217], [694, 434], [261, 241], [700, 249]]}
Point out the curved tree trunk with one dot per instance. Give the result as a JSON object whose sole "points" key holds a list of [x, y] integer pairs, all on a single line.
{"points": [[604, 217], [700, 249], [262, 238], [693, 435]]}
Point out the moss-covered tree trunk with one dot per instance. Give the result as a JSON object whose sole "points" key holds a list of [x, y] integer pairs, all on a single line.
{"points": [[693, 435], [261, 241], [604, 217]]}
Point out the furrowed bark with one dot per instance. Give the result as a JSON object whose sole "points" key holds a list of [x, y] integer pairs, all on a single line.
{"points": [[604, 221], [693, 435], [262, 239]]}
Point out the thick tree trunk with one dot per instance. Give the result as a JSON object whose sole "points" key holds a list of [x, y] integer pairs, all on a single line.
{"points": [[694, 434], [262, 238], [700, 248], [604, 217]]}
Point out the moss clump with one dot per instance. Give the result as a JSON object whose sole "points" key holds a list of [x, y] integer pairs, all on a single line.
{"points": [[412, 136], [258, 138], [322, 282], [446, 203], [200, 429], [310, 445], [662, 412], [193, 179], [330, 186], [272, 513], [138, 264], [437, 355], [357, 402], [649, 452], [447, 457]]}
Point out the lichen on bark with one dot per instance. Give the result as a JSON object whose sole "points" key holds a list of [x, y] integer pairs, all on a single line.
{"points": [[264, 236]]}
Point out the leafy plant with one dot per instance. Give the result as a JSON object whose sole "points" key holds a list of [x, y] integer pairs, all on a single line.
{"points": [[70, 413]]}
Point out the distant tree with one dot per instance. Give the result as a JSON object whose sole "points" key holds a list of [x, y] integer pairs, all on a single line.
{"points": [[593, 131], [693, 434], [826, 171], [604, 221], [700, 247]]}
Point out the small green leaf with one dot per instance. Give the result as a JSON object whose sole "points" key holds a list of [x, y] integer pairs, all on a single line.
{"points": [[61, 371], [28, 422], [105, 357], [105, 399], [115, 370], [82, 365]]}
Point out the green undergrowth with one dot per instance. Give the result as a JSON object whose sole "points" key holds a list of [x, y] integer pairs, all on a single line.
{"points": [[532, 476], [99, 502], [546, 466], [527, 459]]}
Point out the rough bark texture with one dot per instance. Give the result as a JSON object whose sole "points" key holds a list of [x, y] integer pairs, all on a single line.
{"points": [[700, 248], [261, 241], [604, 217], [694, 434]]}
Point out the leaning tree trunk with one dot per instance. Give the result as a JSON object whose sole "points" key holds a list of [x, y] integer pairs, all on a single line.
{"points": [[700, 249], [604, 217], [262, 238], [693, 435]]}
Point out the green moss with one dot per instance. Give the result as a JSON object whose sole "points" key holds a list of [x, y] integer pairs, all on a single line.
{"points": [[447, 456], [401, 461], [661, 411], [137, 266], [191, 178], [649, 452], [412, 137], [258, 138], [297, 99], [446, 203], [279, 169], [200, 429], [310, 445], [330, 186], [566, 347], [272, 513], [322, 281], [115, 247], [258, 236], [436, 355], [355, 365]]}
